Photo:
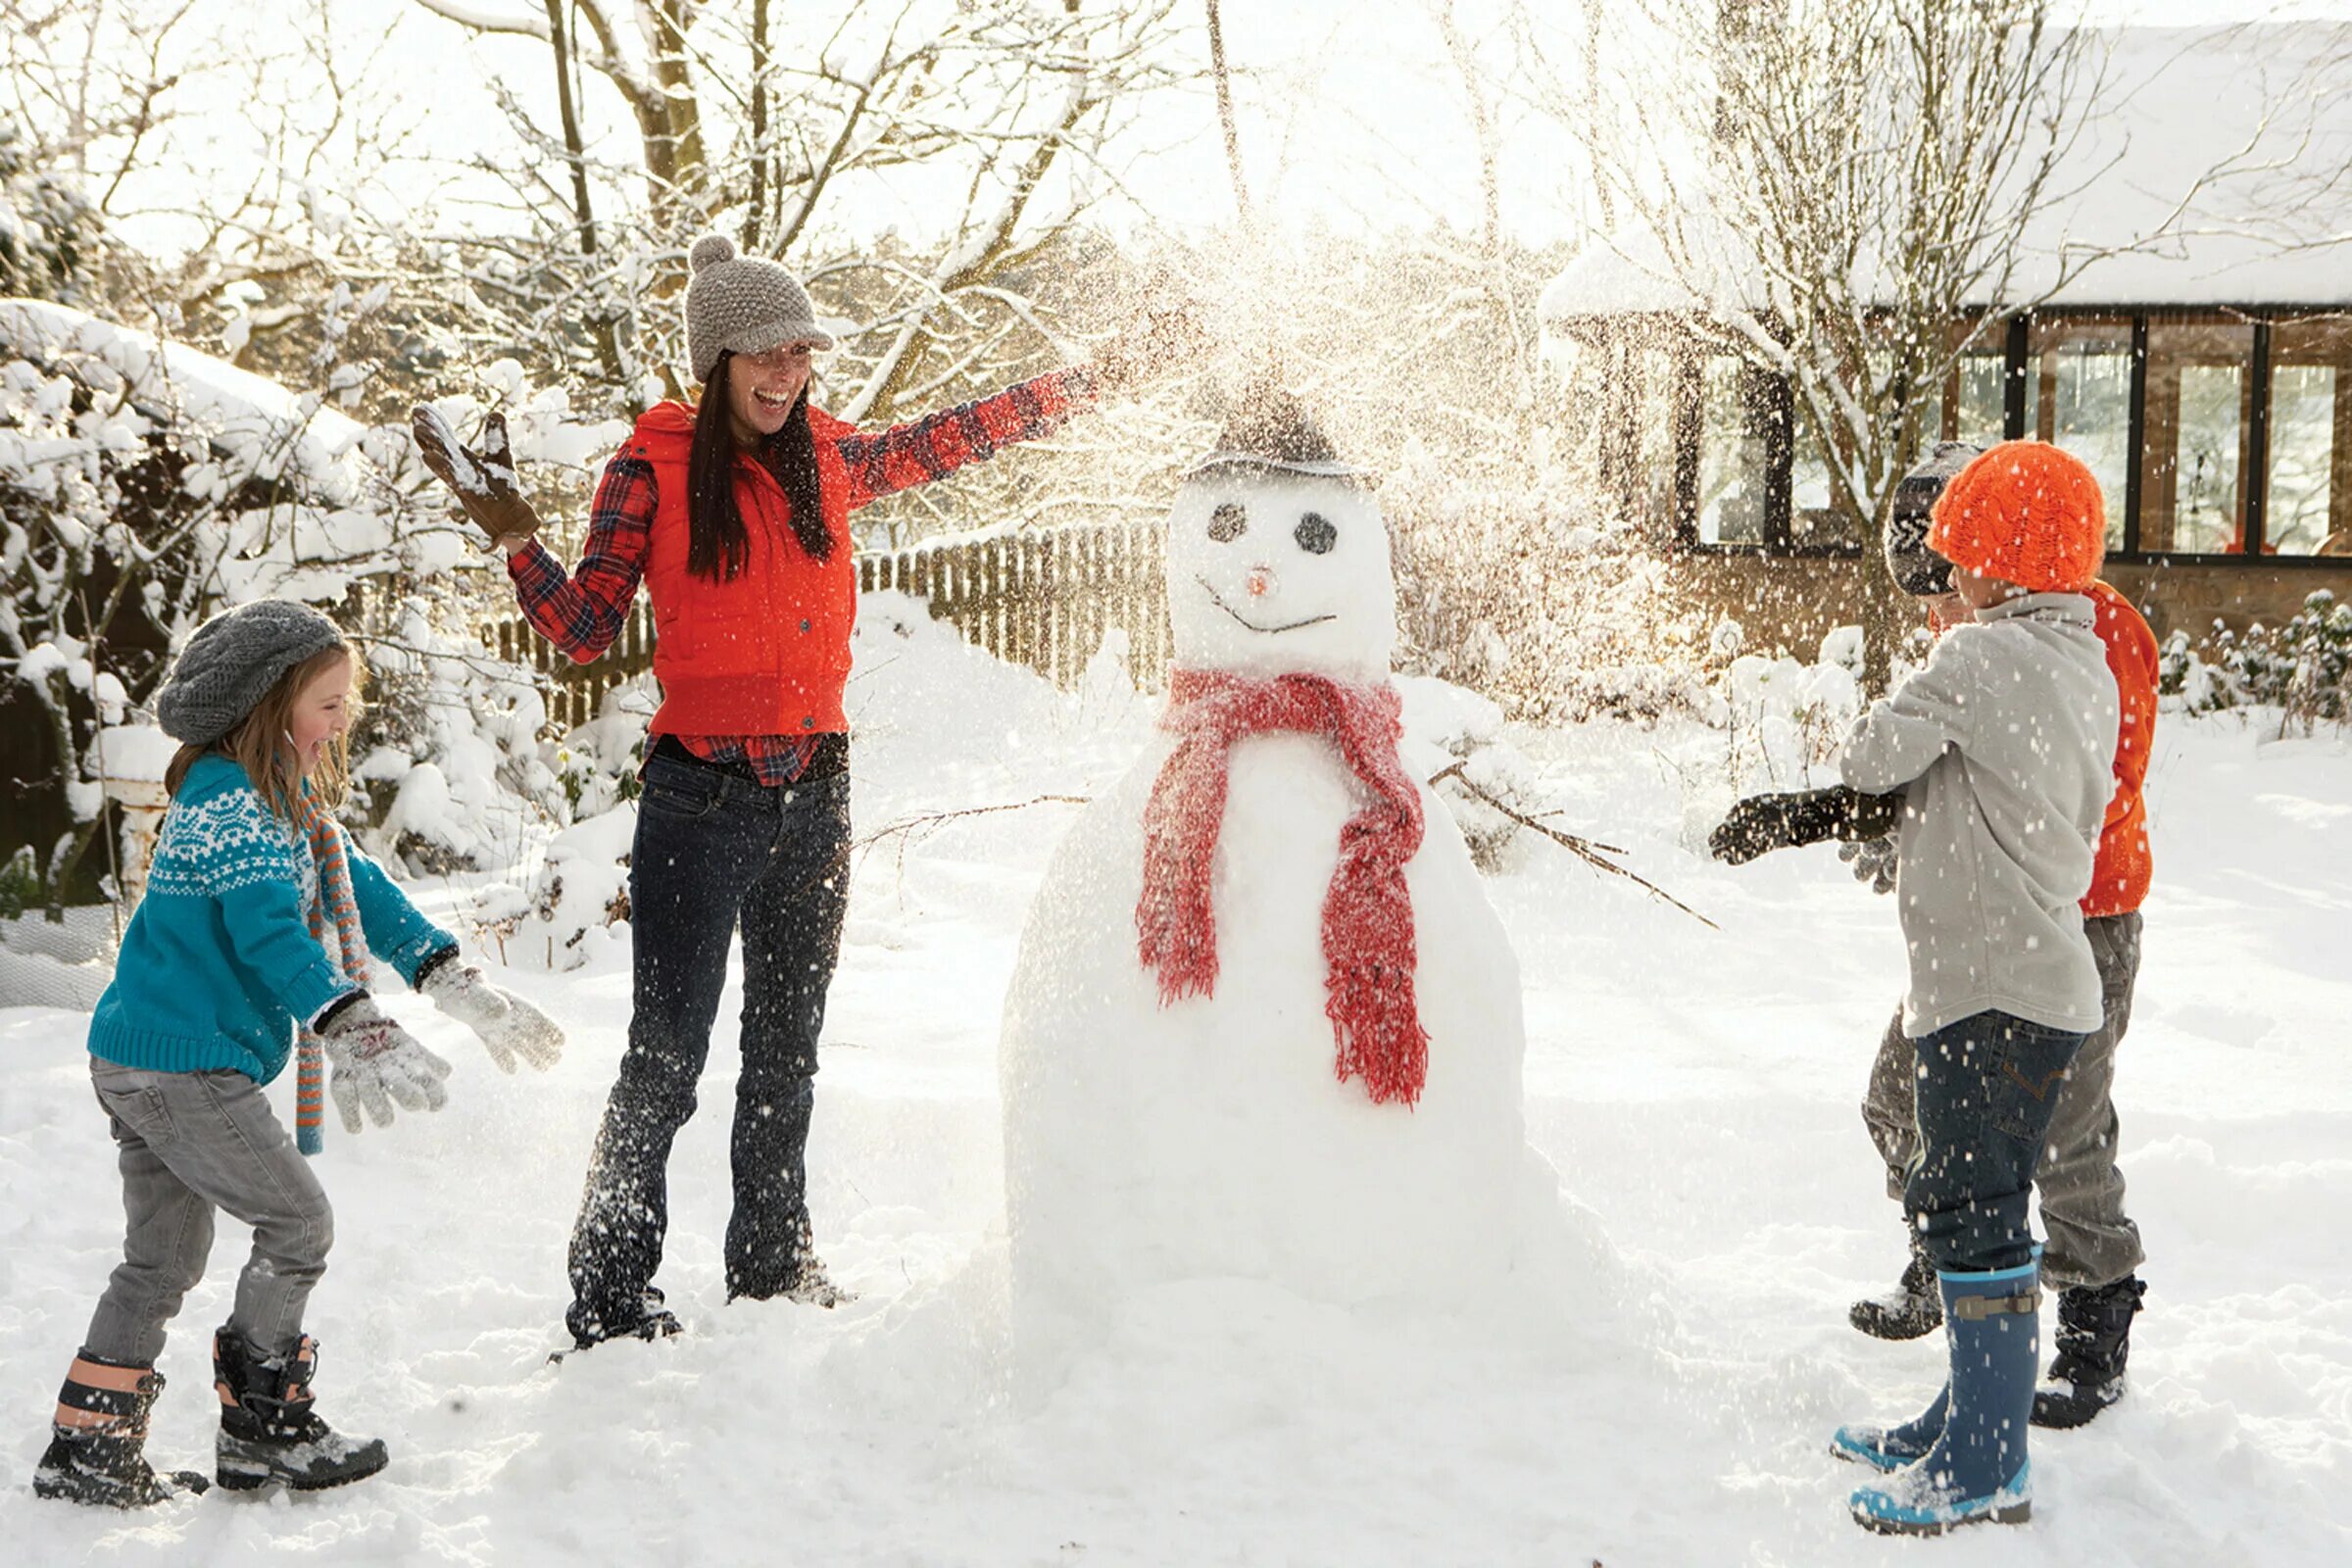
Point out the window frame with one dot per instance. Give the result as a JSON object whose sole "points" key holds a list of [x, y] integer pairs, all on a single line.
{"points": [[1780, 430]]}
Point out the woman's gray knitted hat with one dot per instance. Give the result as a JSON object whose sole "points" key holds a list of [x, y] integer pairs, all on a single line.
{"points": [[742, 305], [229, 665], [1915, 570]]}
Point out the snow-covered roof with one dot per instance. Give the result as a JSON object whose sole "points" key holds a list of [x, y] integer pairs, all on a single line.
{"points": [[254, 421], [2247, 128]]}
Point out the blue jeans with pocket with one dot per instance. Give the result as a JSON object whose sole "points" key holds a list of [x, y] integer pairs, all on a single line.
{"points": [[1987, 1087], [716, 852]]}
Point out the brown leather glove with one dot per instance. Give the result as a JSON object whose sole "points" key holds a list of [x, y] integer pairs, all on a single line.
{"points": [[1165, 335], [483, 481]]}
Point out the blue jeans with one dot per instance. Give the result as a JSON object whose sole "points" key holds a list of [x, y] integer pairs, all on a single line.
{"points": [[1987, 1087], [715, 852]]}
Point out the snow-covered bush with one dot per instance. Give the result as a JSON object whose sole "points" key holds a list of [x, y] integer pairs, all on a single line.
{"points": [[1537, 599], [2303, 668], [48, 227], [143, 486]]}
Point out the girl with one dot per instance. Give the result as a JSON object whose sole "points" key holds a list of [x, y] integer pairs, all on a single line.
{"points": [[734, 514], [229, 951]]}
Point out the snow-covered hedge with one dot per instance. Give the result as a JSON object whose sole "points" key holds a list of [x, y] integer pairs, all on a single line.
{"points": [[2303, 668]]}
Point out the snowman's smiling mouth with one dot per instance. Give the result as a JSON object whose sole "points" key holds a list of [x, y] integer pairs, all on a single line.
{"points": [[1216, 600]]}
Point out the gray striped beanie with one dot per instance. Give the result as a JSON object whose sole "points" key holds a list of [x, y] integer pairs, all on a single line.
{"points": [[742, 305], [1915, 570]]}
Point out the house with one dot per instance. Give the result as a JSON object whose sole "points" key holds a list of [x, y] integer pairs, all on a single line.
{"points": [[2205, 377]]}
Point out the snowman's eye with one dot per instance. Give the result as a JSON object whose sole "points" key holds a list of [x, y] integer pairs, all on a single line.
{"points": [[1227, 522], [1315, 534]]}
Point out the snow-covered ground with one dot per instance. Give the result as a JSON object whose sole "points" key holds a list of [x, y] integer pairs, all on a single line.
{"points": [[1697, 1089]]}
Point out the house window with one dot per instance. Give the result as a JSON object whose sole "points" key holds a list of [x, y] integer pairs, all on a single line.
{"points": [[2078, 396], [2205, 429], [2197, 431], [2307, 505], [1974, 393], [1734, 476]]}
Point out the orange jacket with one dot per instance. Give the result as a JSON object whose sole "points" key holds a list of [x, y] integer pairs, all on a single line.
{"points": [[2119, 875], [768, 653]]}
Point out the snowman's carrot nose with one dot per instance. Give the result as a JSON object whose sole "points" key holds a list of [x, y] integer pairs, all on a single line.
{"points": [[1260, 582]]}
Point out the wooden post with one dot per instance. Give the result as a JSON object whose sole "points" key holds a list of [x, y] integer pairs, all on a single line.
{"points": [[1015, 597]]}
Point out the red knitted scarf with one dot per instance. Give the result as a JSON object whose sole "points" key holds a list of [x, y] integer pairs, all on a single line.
{"points": [[1367, 913]]}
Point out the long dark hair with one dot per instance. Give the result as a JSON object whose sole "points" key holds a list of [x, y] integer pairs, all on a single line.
{"points": [[716, 543]]}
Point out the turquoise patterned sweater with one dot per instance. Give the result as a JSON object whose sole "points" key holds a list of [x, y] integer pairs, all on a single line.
{"points": [[219, 963]]}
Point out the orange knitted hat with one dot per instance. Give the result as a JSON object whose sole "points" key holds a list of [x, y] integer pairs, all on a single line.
{"points": [[2026, 513]]}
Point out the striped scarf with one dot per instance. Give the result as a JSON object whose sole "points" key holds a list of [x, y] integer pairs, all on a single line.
{"points": [[350, 950]]}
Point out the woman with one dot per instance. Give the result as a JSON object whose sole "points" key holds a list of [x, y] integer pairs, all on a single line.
{"points": [[734, 514]]}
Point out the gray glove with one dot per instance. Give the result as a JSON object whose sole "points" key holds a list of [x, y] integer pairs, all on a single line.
{"points": [[1873, 860], [510, 1027], [376, 1064]]}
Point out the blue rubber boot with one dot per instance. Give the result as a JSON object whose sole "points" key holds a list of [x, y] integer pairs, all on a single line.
{"points": [[1892, 1447], [1977, 1467]]}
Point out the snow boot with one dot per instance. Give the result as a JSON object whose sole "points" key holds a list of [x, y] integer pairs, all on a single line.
{"points": [[1977, 1469], [2094, 1341], [1912, 1310], [649, 1319], [98, 1436], [268, 1431], [810, 1286], [1892, 1447]]}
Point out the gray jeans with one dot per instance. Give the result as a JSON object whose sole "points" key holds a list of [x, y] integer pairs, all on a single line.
{"points": [[190, 1143], [2093, 1242]]}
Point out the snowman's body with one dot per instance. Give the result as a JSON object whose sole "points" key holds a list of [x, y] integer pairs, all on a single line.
{"points": [[1212, 1136]]}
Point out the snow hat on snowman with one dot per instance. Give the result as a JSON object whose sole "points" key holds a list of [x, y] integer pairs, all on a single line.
{"points": [[1269, 430], [742, 305]]}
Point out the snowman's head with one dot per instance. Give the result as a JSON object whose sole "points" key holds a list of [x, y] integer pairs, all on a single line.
{"points": [[1275, 570]]}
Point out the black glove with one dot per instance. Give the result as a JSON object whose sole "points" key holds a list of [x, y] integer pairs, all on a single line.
{"points": [[1762, 823]]}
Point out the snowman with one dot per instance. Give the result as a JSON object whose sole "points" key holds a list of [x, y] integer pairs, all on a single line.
{"points": [[1263, 1023]]}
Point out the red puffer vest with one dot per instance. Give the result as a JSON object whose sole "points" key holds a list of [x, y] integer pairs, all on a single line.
{"points": [[768, 653]]}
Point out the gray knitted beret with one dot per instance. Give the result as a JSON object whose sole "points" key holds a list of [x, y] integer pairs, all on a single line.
{"points": [[742, 305], [1915, 570], [232, 661]]}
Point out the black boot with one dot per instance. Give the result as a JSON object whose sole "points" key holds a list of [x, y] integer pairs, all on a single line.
{"points": [[268, 1429], [97, 1437], [1912, 1310], [644, 1319], [2094, 1341]]}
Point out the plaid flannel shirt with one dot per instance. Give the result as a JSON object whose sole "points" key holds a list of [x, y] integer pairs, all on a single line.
{"points": [[583, 611]]}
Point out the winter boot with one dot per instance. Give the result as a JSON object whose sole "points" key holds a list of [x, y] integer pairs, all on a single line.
{"points": [[97, 1436], [1977, 1468], [268, 1429], [1912, 1310], [812, 1286], [809, 1286], [1892, 1447], [648, 1319], [2094, 1341]]}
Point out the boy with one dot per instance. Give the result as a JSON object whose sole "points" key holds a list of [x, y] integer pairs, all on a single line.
{"points": [[2094, 1248], [2002, 747]]}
